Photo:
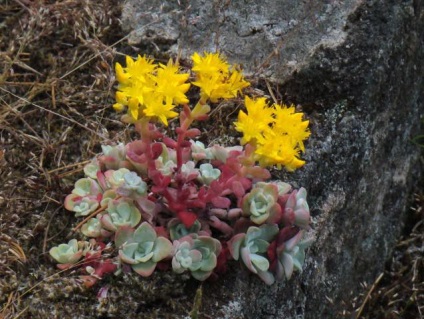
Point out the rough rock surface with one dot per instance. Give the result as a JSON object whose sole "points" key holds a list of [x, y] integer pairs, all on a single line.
{"points": [[356, 68]]}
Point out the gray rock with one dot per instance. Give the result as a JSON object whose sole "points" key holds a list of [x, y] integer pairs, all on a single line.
{"points": [[356, 68]]}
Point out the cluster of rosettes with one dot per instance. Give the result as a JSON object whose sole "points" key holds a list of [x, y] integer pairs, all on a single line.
{"points": [[160, 202]]}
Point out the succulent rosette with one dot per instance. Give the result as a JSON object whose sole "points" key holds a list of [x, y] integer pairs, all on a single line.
{"points": [[260, 204], [252, 247], [120, 213], [68, 254], [288, 253], [197, 254], [296, 210], [85, 197], [142, 248], [177, 229]]}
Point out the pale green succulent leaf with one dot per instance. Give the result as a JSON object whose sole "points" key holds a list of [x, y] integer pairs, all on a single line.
{"points": [[144, 269], [144, 233], [261, 263], [162, 249]]}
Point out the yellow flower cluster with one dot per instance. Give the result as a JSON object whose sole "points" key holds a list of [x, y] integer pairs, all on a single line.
{"points": [[276, 131], [215, 78], [150, 90]]}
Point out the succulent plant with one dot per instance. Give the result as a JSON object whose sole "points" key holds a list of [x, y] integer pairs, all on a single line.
{"points": [[166, 162], [133, 185], [252, 246], [115, 178], [92, 168], [121, 212], [82, 206], [68, 254], [199, 151], [290, 255], [113, 156], [260, 204], [108, 196], [197, 254], [188, 171], [86, 187], [208, 173], [296, 210], [93, 228], [142, 248], [177, 229]]}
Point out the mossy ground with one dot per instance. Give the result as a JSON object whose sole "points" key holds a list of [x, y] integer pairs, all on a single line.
{"points": [[56, 91]]}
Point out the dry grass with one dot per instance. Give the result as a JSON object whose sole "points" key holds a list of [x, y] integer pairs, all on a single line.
{"points": [[56, 89], [398, 292], [56, 86]]}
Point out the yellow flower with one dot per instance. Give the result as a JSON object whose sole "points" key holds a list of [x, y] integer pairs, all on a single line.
{"points": [[171, 84], [157, 107], [256, 121], [278, 150], [209, 64], [215, 79], [149, 90], [139, 68], [288, 122], [277, 133]]}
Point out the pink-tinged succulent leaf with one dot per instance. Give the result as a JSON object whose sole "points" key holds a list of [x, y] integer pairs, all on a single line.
{"points": [[86, 187], [195, 258], [64, 266], [275, 214], [257, 172], [201, 275], [158, 149], [144, 269], [287, 262], [221, 202], [187, 218], [70, 201], [285, 234], [162, 249], [220, 225], [291, 201], [104, 267], [234, 213], [102, 180], [169, 142], [302, 218], [107, 223], [234, 245], [88, 281], [124, 235], [245, 256], [238, 189], [288, 216], [292, 242], [192, 133], [266, 277]]}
